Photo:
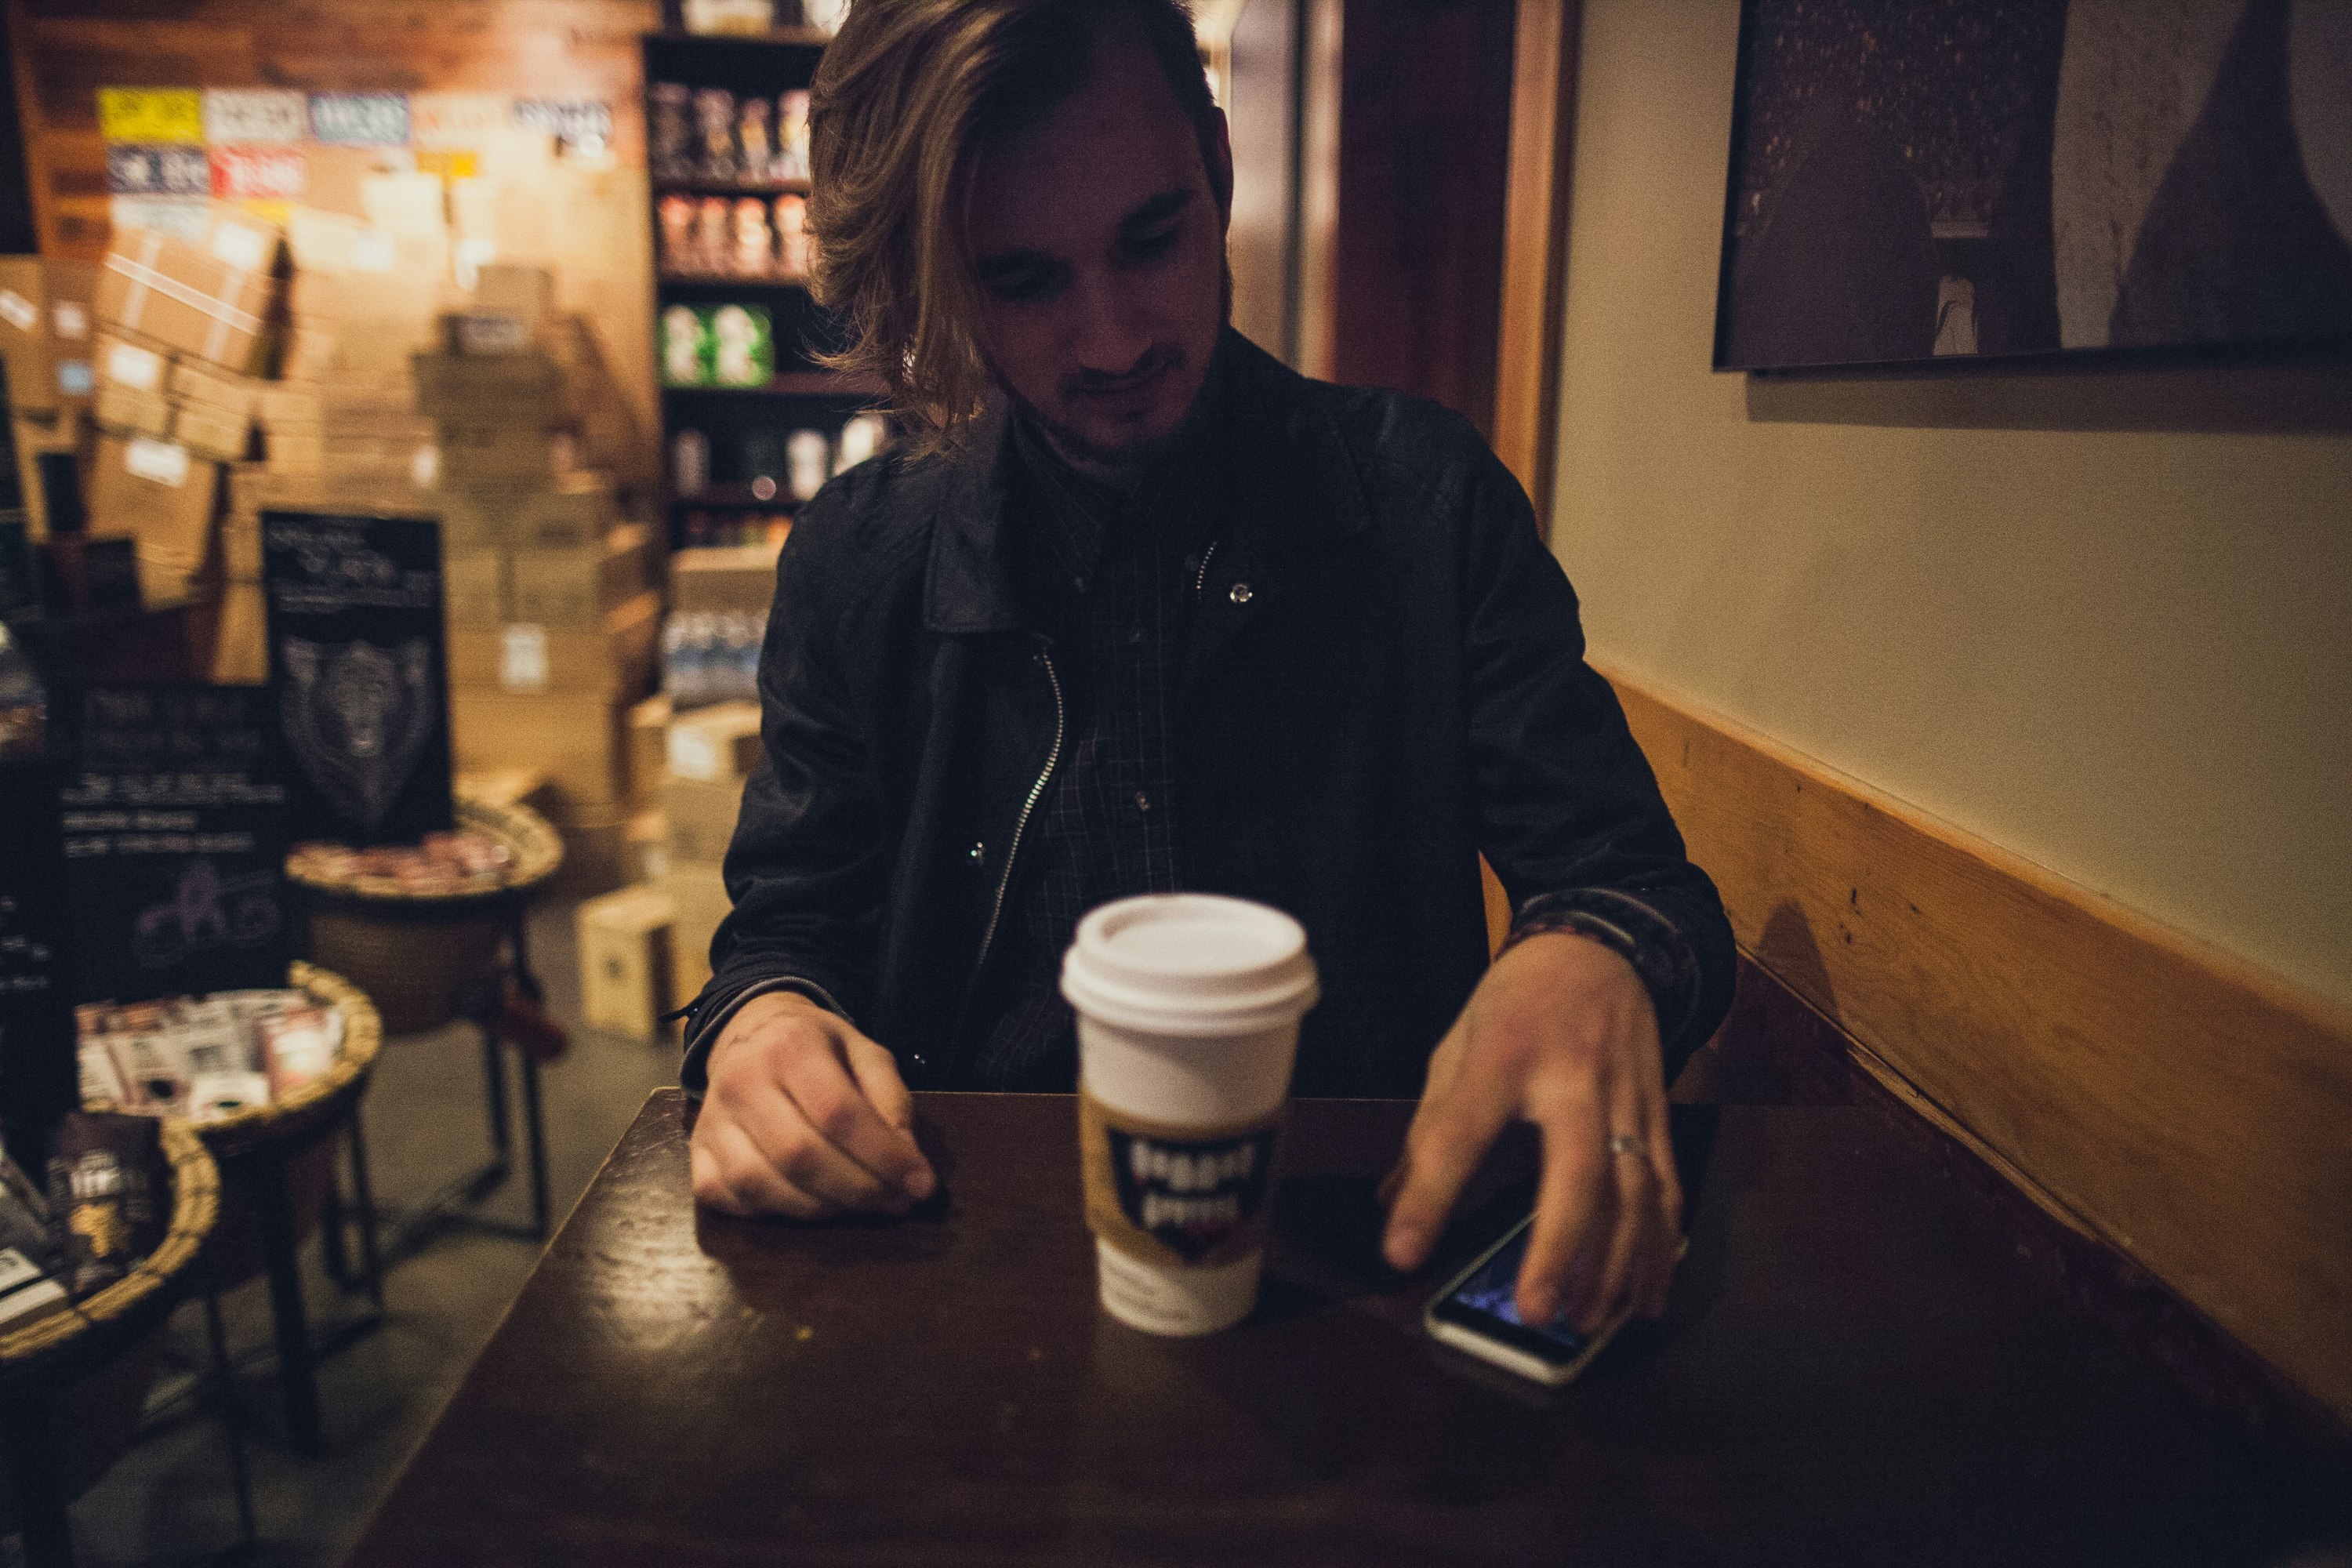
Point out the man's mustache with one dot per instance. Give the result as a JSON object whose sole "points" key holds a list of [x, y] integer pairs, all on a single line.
{"points": [[1158, 358]]}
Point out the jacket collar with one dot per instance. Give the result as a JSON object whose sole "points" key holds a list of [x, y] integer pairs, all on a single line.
{"points": [[1292, 486]]}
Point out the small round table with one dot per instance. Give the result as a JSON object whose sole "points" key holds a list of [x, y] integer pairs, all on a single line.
{"points": [[41, 1362], [428, 958], [255, 1149]]}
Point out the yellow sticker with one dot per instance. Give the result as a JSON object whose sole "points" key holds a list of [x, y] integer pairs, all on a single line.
{"points": [[151, 114], [449, 162]]}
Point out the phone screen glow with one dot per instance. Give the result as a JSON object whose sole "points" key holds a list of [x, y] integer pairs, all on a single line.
{"points": [[1489, 1293]]}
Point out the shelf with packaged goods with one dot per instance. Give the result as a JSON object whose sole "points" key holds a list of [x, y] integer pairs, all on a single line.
{"points": [[774, 38], [741, 496], [695, 185], [794, 383], [724, 282]]}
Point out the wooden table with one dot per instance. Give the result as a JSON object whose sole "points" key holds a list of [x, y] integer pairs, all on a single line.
{"points": [[1853, 1370]]}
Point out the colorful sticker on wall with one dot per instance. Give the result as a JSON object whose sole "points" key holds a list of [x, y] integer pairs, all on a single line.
{"points": [[449, 162], [182, 217], [455, 120], [239, 116], [578, 124], [360, 118], [170, 169], [151, 114], [267, 173]]}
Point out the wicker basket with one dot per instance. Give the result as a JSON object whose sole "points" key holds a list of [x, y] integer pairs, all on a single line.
{"points": [[68, 1344], [416, 954], [323, 1098]]}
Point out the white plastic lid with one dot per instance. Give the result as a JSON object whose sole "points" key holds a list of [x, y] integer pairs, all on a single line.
{"points": [[1189, 963]]}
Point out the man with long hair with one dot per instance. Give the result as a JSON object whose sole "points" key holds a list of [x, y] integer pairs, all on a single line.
{"points": [[1137, 609]]}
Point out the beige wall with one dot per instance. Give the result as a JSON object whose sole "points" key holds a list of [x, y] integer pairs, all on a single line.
{"points": [[2104, 620]]}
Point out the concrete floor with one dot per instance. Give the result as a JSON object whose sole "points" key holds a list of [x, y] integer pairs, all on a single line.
{"points": [[168, 1501]]}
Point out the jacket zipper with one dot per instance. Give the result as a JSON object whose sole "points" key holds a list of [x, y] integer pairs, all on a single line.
{"points": [[1021, 824], [1201, 578]]}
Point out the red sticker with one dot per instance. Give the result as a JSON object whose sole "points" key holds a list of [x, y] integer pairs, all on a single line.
{"points": [[258, 173]]}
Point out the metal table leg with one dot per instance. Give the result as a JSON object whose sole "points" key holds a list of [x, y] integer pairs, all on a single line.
{"points": [[363, 1196], [298, 1379], [223, 1373]]}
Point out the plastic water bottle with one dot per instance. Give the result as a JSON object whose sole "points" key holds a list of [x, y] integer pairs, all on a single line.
{"points": [[24, 702]]}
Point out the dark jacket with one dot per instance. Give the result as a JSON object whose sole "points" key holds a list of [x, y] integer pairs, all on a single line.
{"points": [[1384, 678]]}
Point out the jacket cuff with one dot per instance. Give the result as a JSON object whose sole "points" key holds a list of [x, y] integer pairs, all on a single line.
{"points": [[707, 1017], [1637, 932]]}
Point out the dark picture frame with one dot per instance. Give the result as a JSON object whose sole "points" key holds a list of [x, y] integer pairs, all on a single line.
{"points": [[1916, 183]]}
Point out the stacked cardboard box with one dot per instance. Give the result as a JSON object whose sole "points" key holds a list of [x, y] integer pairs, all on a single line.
{"points": [[181, 325], [625, 961], [554, 615], [45, 342], [711, 753]]}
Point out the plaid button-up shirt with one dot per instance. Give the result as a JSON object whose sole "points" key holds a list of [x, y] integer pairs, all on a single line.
{"points": [[1114, 573]]}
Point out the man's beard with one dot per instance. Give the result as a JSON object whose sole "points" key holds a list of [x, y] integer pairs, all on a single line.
{"points": [[1130, 458]]}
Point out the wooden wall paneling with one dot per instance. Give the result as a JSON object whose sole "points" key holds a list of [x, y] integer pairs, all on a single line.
{"points": [[1535, 244], [2188, 1109]]}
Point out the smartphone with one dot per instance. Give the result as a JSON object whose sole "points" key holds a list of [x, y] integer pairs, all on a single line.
{"points": [[1476, 1313]]}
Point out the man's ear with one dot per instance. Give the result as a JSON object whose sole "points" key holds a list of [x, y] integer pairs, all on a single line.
{"points": [[1217, 145]]}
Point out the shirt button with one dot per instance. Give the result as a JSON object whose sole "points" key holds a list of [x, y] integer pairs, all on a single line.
{"points": [[1135, 636], [1242, 593], [1142, 801], [1079, 583]]}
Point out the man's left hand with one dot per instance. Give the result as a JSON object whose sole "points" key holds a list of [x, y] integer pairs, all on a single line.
{"points": [[1560, 1033]]}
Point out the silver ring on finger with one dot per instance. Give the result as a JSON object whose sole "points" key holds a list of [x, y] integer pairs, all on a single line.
{"points": [[1631, 1143]]}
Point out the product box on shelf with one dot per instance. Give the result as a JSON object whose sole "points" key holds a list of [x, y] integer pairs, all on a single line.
{"points": [[213, 389], [615, 659], [524, 389], [574, 738], [123, 411], [648, 750], [473, 587], [26, 348], [625, 961], [479, 457], [572, 586], [211, 432], [740, 578], [46, 330], [700, 816], [716, 745], [157, 491], [698, 892], [211, 298]]}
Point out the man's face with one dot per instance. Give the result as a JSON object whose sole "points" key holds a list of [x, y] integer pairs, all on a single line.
{"points": [[1098, 241]]}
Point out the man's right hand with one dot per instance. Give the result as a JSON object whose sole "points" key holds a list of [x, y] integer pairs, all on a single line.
{"points": [[804, 1117]]}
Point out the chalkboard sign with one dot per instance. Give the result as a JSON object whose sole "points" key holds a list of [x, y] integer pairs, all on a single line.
{"points": [[356, 666], [38, 1081], [175, 822]]}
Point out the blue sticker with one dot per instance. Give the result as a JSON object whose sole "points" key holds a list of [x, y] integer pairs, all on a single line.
{"points": [[159, 169], [74, 378], [360, 118]]}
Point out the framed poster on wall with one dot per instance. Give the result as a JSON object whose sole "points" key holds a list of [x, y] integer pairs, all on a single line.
{"points": [[1913, 181]]}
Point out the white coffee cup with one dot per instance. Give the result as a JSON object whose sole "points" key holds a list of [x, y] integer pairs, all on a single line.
{"points": [[1188, 1007]]}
